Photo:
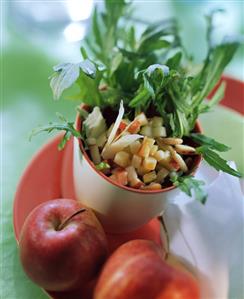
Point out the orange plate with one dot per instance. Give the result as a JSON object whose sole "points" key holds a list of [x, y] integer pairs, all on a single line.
{"points": [[234, 94]]}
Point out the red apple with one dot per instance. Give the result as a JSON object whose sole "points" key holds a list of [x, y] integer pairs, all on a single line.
{"points": [[62, 245], [136, 270]]}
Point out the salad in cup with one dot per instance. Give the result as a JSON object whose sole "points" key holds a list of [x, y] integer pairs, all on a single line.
{"points": [[137, 152], [142, 96]]}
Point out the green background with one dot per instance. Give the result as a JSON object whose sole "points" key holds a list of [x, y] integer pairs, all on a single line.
{"points": [[26, 101]]}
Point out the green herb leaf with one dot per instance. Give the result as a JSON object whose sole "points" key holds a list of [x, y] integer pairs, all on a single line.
{"points": [[66, 75], [174, 61], [141, 98], [153, 38], [102, 166], [88, 68], [217, 97], [66, 126], [96, 29], [89, 90], [210, 142], [187, 184], [83, 53], [117, 59], [132, 38], [213, 159], [83, 113], [208, 145], [153, 78], [217, 60]]}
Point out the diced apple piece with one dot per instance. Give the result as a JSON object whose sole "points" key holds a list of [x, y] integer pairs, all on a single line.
{"points": [[122, 159], [95, 154], [101, 140], [185, 149], [149, 177], [147, 143], [153, 150], [161, 175], [91, 141], [152, 186], [146, 131], [137, 184], [133, 179], [121, 176], [110, 150], [122, 125], [141, 170], [157, 121], [142, 119], [170, 149], [159, 155], [144, 151], [136, 161], [122, 130], [135, 146], [132, 175], [159, 132], [149, 163], [134, 127], [162, 155]]}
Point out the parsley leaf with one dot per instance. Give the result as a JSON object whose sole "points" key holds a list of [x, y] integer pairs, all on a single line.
{"points": [[66, 74], [210, 142], [103, 166], [213, 159], [187, 184], [66, 126], [207, 150]]}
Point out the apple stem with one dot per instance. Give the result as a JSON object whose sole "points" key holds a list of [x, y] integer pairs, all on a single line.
{"points": [[63, 224], [167, 251]]}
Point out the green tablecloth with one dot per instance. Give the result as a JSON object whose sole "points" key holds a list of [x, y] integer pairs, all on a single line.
{"points": [[26, 102]]}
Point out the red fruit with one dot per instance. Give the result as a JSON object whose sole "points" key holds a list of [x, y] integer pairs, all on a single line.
{"points": [[181, 286], [60, 254], [136, 270]]}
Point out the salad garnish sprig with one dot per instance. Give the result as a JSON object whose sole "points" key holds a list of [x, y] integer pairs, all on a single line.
{"points": [[163, 94]]}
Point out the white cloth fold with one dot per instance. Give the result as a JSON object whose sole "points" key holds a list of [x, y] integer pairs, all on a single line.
{"points": [[210, 237]]}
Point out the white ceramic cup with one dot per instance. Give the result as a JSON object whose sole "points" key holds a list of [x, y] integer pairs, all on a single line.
{"points": [[119, 208]]}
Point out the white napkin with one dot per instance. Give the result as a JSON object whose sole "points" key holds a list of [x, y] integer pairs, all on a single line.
{"points": [[210, 237]]}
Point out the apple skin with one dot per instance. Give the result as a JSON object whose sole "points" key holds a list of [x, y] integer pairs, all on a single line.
{"points": [[66, 259], [181, 286], [136, 270]]}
